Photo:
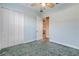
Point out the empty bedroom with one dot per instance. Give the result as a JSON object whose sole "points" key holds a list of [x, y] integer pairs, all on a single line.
{"points": [[39, 29]]}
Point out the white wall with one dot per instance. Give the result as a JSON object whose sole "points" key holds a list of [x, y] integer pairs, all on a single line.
{"points": [[29, 27], [64, 26]]}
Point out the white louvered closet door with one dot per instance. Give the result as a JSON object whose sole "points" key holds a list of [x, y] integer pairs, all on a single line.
{"points": [[12, 28], [0, 27]]}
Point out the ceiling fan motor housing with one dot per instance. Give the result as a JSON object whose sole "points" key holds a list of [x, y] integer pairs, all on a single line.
{"points": [[41, 10]]}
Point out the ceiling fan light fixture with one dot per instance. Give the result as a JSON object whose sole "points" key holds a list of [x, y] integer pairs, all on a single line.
{"points": [[41, 10], [43, 6]]}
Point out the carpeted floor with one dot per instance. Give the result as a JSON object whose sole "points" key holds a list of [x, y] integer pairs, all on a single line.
{"points": [[39, 49]]}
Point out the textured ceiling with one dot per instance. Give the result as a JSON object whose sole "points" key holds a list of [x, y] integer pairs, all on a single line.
{"points": [[59, 6]]}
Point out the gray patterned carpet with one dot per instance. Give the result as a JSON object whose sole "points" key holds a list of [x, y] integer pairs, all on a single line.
{"points": [[39, 49]]}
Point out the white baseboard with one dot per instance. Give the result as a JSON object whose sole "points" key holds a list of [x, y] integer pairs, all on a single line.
{"points": [[72, 46], [15, 43]]}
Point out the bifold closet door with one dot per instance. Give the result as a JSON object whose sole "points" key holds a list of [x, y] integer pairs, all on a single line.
{"points": [[12, 28], [0, 27]]}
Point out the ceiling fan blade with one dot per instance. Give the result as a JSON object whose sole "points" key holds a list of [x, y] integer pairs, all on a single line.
{"points": [[36, 5], [33, 4], [50, 5]]}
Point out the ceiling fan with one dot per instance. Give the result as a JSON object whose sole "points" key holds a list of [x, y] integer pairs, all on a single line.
{"points": [[43, 6]]}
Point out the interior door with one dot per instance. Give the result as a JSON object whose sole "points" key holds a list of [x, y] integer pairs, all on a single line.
{"points": [[39, 28], [43, 29]]}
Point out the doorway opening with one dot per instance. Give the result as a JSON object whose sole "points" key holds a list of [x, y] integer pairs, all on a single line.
{"points": [[45, 29]]}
